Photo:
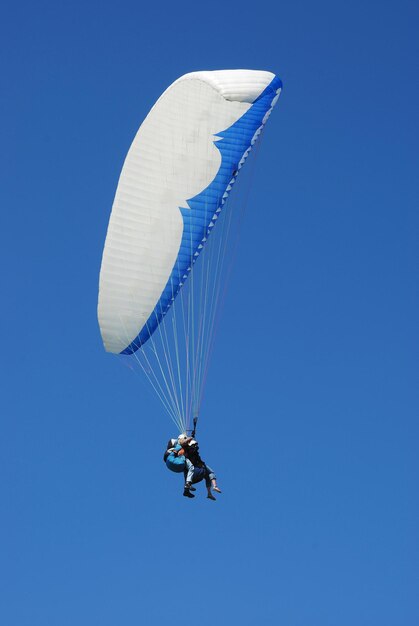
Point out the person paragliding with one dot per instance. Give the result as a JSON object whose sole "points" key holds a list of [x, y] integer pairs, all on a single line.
{"points": [[197, 469], [182, 455], [176, 460]]}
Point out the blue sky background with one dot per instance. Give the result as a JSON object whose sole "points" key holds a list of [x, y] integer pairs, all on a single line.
{"points": [[311, 412]]}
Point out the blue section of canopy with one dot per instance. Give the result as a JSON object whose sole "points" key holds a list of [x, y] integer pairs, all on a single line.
{"points": [[200, 218]]}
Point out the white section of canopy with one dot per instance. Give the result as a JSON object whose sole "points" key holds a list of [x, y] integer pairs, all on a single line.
{"points": [[171, 159], [234, 85]]}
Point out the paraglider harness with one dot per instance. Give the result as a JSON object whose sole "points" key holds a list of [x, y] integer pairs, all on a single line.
{"points": [[175, 461]]}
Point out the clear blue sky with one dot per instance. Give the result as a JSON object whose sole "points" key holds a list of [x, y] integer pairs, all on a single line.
{"points": [[311, 414]]}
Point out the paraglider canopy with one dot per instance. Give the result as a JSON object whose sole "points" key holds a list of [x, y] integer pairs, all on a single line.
{"points": [[175, 181]]}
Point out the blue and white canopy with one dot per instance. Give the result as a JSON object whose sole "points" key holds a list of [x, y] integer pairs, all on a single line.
{"points": [[175, 180]]}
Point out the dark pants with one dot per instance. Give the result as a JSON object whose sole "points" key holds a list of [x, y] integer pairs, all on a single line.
{"points": [[201, 473]]}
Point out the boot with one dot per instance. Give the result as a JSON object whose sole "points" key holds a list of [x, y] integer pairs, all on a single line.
{"points": [[187, 491]]}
